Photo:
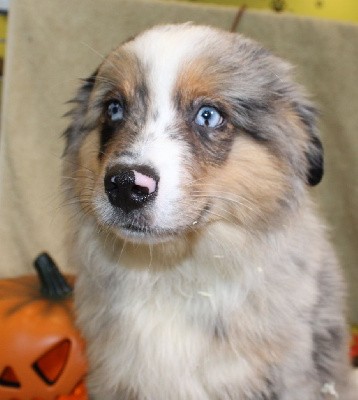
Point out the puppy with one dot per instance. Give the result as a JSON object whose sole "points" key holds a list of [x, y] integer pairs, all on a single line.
{"points": [[205, 273]]}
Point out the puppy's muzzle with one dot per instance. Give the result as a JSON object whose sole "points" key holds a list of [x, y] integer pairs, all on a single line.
{"points": [[131, 188]]}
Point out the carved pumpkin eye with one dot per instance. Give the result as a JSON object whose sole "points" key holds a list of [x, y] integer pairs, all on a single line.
{"points": [[50, 365]]}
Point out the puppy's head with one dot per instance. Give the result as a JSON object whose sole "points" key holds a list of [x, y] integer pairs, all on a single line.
{"points": [[185, 125]]}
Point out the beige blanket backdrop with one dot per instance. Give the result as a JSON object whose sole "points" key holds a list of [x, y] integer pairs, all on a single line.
{"points": [[53, 43]]}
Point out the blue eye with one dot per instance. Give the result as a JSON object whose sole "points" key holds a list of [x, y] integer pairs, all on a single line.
{"points": [[115, 111], [209, 117]]}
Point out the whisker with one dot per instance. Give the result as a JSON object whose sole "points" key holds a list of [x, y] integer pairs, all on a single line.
{"points": [[122, 250], [237, 202], [103, 57], [79, 166]]}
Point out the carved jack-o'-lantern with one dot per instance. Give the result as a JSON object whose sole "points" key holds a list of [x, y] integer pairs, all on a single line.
{"points": [[41, 351]]}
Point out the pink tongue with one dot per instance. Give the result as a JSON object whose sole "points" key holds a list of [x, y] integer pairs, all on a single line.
{"points": [[145, 181]]}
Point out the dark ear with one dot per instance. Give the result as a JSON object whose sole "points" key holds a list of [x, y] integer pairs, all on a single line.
{"points": [[78, 126], [314, 153]]}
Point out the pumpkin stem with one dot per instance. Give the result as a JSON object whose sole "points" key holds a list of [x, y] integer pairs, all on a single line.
{"points": [[53, 284]]}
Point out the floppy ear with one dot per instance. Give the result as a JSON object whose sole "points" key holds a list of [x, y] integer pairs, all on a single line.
{"points": [[78, 126], [314, 153]]}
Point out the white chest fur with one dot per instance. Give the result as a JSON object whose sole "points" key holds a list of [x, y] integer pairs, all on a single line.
{"points": [[175, 333]]}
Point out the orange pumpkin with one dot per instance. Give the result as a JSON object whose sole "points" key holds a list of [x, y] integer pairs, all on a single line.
{"points": [[41, 351]]}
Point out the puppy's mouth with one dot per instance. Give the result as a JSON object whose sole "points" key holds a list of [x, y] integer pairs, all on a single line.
{"points": [[145, 233], [142, 232]]}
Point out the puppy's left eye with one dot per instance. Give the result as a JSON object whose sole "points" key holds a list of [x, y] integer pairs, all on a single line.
{"points": [[209, 117], [115, 111]]}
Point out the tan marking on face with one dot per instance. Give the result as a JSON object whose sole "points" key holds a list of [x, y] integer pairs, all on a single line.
{"points": [[121, 72], [197, 79], [248, 188]]}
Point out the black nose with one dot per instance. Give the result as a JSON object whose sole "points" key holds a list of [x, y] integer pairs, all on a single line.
{"points": [[130, 188]]}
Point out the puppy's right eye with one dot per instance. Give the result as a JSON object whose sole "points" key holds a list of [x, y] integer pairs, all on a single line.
{"points": [[115, 111]]}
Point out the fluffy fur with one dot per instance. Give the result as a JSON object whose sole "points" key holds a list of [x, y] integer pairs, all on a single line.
{"points": [[222, 285]]}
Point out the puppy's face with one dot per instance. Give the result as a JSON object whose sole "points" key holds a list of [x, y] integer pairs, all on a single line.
{"points": [[185, 125]]}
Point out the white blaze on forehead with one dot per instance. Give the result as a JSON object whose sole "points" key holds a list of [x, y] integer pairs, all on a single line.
{"points": [[162, 53]]}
